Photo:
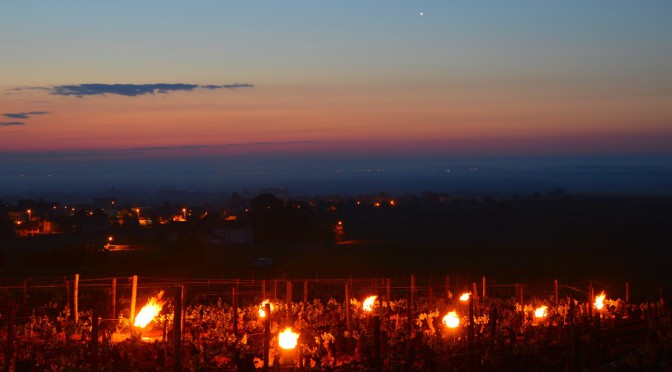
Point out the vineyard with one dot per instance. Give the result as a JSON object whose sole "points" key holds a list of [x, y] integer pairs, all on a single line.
{"points": [[417, 324]]}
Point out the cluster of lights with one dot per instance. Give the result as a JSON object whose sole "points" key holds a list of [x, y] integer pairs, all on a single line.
{"points": [[378, 203], [369, 170], [288, 340]]}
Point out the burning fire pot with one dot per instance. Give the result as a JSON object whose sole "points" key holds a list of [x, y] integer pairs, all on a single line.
{"points": [[540, 314], [146, 315], [287, 340], [451, 320]]}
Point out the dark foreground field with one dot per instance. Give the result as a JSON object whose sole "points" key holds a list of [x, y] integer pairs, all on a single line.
{"points": [[571, 238]]}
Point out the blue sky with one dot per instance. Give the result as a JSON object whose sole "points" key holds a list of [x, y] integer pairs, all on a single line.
{"points": [[428, 81]]}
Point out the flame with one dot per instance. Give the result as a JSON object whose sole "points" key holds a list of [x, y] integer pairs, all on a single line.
{"points": [[599, 301], [149, 311], [465, 296], [287, 339], [367, 305], [540, 312], [262, 308], [451, 320]]}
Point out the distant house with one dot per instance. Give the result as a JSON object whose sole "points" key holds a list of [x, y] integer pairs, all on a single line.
{"points": [[27, 228], [35, 227]]}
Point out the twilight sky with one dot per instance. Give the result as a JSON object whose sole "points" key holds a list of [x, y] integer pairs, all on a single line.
{"points": [[433, 79]]}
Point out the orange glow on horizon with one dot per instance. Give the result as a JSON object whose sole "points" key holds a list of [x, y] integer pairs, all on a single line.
{"points": [[290, 119]]}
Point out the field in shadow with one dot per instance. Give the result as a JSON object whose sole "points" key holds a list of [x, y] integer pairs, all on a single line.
{"points": [[514, 240]]}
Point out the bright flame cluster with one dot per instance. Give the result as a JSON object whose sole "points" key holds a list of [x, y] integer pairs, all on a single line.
{"points": [[465, 296], [367, 305], [262, 308], [599, 301], [451, 320], [149, 311], [287, 339], [540, 312]]}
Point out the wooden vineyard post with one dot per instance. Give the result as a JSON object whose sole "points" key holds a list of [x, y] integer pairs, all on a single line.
{"points": [[177, 328], [409, 315], [183, 294], [474, 294], [519, 294], [67, 292], [9, 350], [493, 325], [289, 303], [263, 290], [113, 301], [627, 292], [447, 287], [484, 292], [275, 289], [557, 299], [590, 300], [411, 302], [376, 342], [388, 292], [570, 320], [76, 298], [234, 310], [94, 338], [348, 317], [470, 333], [134, 295], [267, 336]]}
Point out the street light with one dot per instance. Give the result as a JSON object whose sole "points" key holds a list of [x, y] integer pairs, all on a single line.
{"points": [[137, 210], [29, 214], [184, 214]]}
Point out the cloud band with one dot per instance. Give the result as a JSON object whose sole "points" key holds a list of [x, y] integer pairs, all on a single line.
{"points": [[23, 115], [133, 90]]}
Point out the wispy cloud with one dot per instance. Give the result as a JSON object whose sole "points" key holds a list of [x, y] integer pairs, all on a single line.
{"points": [[130, 90], [228, 86], [29, 88], [24, 115], [10, 123], [134, 90]]}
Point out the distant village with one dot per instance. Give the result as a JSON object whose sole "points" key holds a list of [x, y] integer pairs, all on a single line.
{"points": [[240, 220]]}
